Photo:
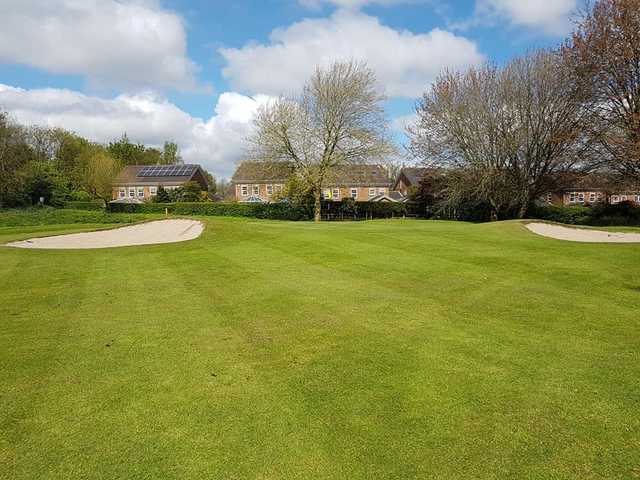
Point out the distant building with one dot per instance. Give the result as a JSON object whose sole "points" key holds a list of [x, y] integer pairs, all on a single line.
{"points": [[409, 178], [592, 189], [142, 181], [257, 181]]}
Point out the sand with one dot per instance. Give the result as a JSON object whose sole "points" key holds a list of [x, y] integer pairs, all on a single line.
{"points": [[162, 231], [582, 235]]}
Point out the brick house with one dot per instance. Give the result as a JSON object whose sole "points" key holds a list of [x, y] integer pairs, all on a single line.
{"points": [[261, 182], [409, 179], [590, 189], [141, 182]]}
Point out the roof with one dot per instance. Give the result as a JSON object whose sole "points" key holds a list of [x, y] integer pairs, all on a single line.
{"points": [[158, 174], [262, 172], [393, 196], [342, 176], [414, 175]]}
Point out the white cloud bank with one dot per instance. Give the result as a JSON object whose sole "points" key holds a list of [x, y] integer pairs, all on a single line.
{"points": [[405, 62], [124, 44], [217, 143], [551, 16]]}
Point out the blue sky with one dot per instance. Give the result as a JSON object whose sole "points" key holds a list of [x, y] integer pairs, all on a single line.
{"points": [[195, 71]]}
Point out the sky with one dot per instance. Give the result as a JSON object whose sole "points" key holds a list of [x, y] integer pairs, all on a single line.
{"points": [[196, 71]]}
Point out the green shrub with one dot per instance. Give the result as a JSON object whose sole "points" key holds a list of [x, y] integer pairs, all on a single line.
{"points": [[141, 207], [561, 214], [274, 211]]}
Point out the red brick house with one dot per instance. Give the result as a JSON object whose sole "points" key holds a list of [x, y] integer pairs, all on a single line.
{"points": [[141, 182]]}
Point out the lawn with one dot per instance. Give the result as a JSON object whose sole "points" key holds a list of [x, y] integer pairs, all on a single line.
{"points": [[277, 350]]}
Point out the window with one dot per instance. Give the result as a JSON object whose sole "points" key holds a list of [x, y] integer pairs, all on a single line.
{"points": [[615, 199], [255, 189], [141, 192], [372, 192], [269, 189], [244, 190], [326, 193], [354, 193], [592, 197], [132, 192], [122, 193], [623, 198], [278, 188], [637, 198], [549, 199], [572, 197], [153, 191], [581, 197], [599, 196], [382, 191], [336, 194]]}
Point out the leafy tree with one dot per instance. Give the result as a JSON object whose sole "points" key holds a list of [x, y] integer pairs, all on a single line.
{"points": [[100, 172], [170, 154], [188, 192], [126, 152], [339, 119], [15, 154], [162, 196]]}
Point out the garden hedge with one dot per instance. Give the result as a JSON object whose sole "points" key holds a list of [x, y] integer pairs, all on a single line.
{"points": [[84, 205]]}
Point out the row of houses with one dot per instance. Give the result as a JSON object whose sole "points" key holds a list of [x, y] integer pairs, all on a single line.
{"points": [[255, 182]]}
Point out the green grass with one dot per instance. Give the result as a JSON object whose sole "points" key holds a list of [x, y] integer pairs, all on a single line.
{"points": [[277, 350]]}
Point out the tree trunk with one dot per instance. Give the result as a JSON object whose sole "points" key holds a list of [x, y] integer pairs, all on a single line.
{"points": [[523, 210], [317, 207]]}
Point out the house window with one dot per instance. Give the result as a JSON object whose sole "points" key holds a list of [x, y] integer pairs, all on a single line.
{"points": [[615, 199], [381, 191], [572, 197], [269, 189], [581, 197], [549, 199], [278, 188], [623, 198], [132, 192], [637, 198], [153, 191], [599, 196], [255, 189], [141, 192], [326, 193], [336, 194], [592, 197], [354, 193], [244, 189], [122, 193], [372, 192]]}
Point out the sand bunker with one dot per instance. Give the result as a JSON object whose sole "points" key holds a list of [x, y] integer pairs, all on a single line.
{"points": [[162, 231], [581, 235]]}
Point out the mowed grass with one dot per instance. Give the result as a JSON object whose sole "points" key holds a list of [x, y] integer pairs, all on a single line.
{"points": [[276, 350]]}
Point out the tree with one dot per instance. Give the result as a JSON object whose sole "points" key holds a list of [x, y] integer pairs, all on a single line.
{"points": [[162, 196], [189, 192], [15, 155], [170, 155], [338, 119], [127, 153], [510, 133], [100, 172], [603, 55]]}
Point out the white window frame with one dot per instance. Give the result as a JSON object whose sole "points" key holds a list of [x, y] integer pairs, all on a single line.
{"points": [[122, 193], [572, 197], [132, 192], [153, 191], [336, 193], [382, 191], [326, 193], [269, 189], [592, 197], [372, 192], [581, 197], [354, 193], [244, 190], [637, 198], [140, 192], [615, 199], [255, 190]]}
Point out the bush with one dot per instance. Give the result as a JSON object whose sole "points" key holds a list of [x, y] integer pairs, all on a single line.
{"points": [[350, 209], [274, 211], [84, 205], [569, 215], [140, 207]]}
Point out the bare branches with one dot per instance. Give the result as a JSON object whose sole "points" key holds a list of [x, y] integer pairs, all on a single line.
{"points": [[338, 119]]}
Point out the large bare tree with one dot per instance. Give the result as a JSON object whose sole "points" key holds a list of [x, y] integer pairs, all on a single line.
{"points": [[509, 133], [338, 119], [604, 56]]}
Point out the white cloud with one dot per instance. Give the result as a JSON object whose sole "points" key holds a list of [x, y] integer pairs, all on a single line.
{"points": [[217, 143], [552, 16], [353, 4], [128, 43], [404, 62]]}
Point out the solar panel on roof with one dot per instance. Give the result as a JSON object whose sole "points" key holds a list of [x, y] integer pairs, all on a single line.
{"points": [[166, 171]]}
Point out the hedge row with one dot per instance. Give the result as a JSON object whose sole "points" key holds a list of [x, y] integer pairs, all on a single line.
{"points": [[621, 214], [274, 211]]}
